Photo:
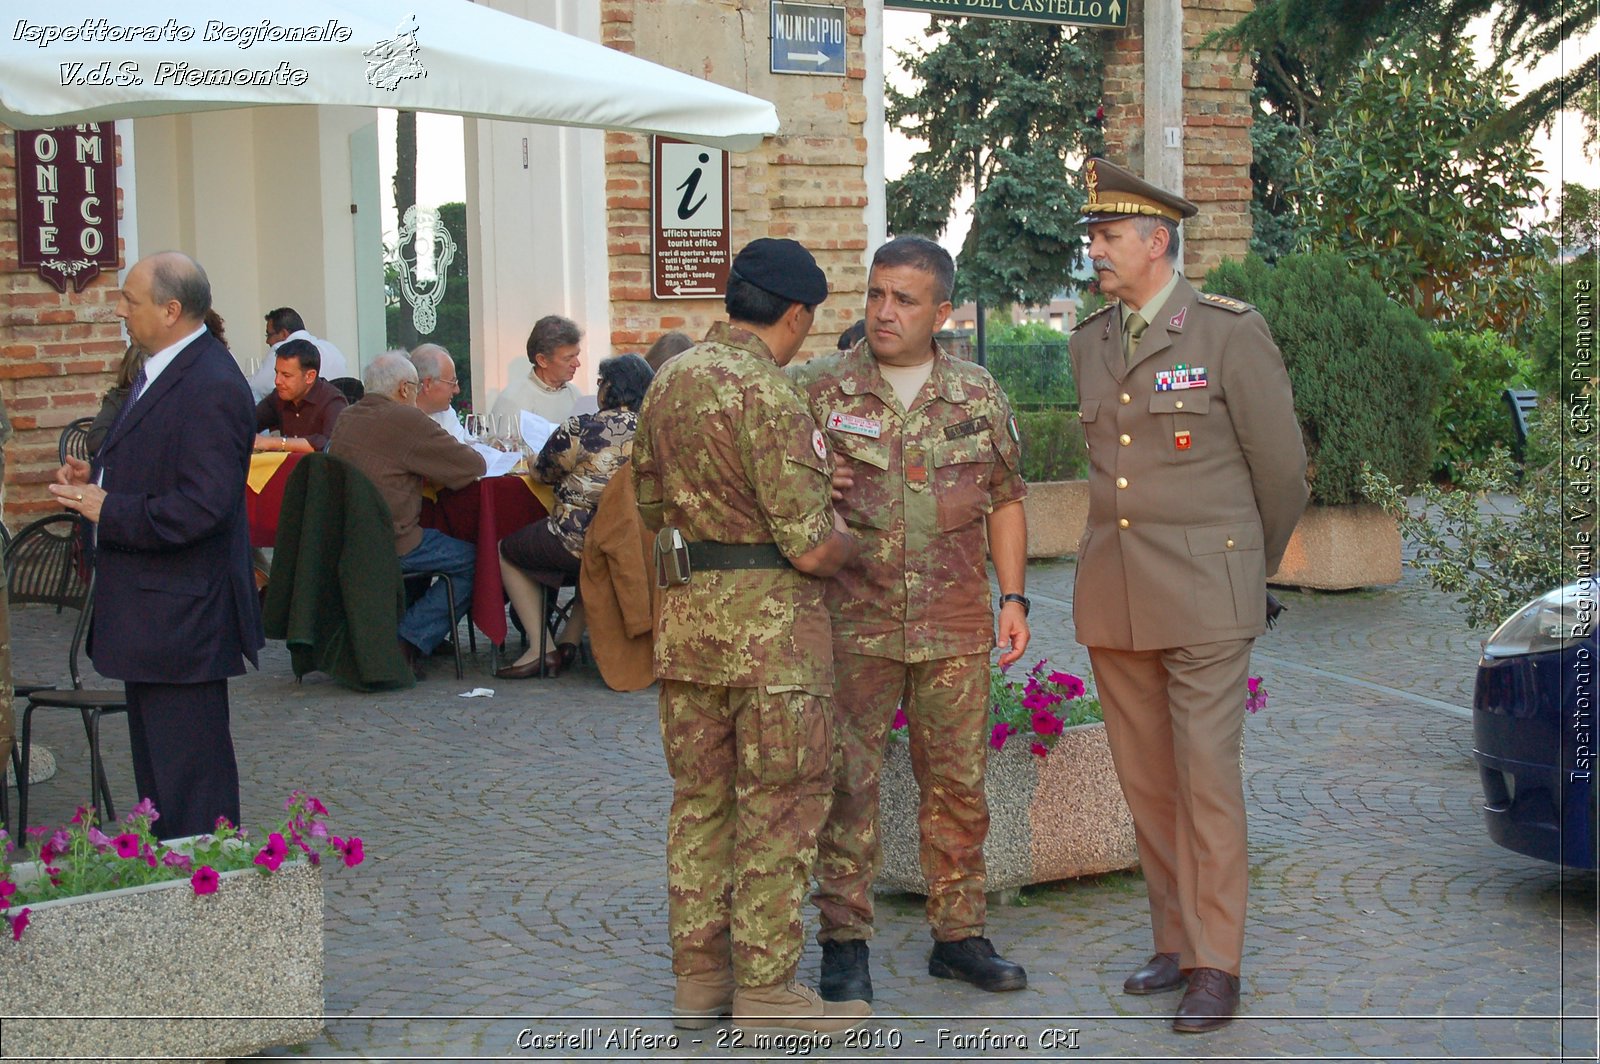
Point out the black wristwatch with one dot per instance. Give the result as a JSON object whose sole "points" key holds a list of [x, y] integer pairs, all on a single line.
{"points": [[1027, 606]]}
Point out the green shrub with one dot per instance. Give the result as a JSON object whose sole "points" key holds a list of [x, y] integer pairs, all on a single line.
{"points": [[1034, 374], [1052, 445], [1365, 376], [1472, 417]]}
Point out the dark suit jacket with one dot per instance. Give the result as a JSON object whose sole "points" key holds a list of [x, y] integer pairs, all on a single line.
{"points": [[174, 598]]}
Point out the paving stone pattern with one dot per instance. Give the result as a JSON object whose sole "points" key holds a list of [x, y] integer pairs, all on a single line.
{"points": [[514, 886]]}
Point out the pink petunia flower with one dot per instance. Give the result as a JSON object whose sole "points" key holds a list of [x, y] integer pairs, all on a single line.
{"points": [[147, 809], [97, 838], [316, 806], [352, 852], [1002, 731], [900, 718], [319, 830], [59, 843], [19, 924], [80, 816], [7, 888], [174, 859], [204, 880], [1036, 700], [1040, 750], [1046, 722], [1253, 684], [127, 845], [1070, 685], [273, 853]]}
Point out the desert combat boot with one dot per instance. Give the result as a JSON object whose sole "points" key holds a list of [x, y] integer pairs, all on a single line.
{"points": [[703, 999], [791, 1008]]}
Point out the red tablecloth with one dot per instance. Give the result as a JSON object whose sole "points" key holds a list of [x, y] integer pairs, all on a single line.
{"points": [[483, 514], [261, 508]]}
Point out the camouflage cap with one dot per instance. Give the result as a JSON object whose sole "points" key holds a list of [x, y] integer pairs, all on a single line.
{"points": [[782, 267], [1117, 193]]}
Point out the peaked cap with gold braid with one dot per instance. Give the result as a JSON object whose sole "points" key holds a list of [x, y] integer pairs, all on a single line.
{"points": [[1117, 193]]}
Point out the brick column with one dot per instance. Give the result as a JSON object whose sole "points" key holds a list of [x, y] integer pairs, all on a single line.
{"points": [[1216, 127], [58, 353], [808, 183]]}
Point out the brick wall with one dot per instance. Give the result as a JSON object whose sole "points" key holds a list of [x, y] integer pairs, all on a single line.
{"points": [[1216, 127], [806, 184], [58, 354]]}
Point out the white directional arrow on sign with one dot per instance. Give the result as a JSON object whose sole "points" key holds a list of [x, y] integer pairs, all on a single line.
{"points": [[686, 291], [809, 57], [1116, 11]]}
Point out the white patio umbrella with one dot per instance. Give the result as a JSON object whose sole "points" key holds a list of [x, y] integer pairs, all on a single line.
{"points": [[94, 60]]}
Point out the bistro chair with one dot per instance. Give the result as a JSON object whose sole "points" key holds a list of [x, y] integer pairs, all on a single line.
{"points": [[46, 565], [74, 442], [352, 388]]}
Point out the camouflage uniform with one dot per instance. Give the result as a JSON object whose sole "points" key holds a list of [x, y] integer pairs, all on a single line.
{"points": [[727, 453], [912, 623]]}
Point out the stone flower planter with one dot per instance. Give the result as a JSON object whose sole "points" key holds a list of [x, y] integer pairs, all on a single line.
{"points": [[1335, 548], [1049, 818], [247, 959]]}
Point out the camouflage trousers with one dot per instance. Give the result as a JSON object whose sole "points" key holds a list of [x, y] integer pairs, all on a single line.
{"points": [[946, 702], [751, 768]]}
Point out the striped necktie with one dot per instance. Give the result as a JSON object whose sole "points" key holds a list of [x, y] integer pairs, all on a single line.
{"points": [[135, 390]]}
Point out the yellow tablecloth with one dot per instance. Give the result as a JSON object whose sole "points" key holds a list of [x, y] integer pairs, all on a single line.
{"points": [[262, 465]]}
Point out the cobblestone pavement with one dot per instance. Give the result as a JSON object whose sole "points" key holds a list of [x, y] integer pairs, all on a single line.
{"points": [[515, 877]]}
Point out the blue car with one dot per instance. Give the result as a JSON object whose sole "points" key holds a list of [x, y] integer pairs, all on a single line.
{"points": [[1534, 729]]}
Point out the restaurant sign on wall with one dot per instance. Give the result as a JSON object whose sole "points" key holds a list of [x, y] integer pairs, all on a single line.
{"points": [[67, 202]]}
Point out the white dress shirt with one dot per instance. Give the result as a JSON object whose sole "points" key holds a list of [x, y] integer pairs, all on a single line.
{"points": [[264, 378]]}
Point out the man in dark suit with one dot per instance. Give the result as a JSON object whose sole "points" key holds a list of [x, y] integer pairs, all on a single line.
{"points": [[176, 611], [1196, 480]]}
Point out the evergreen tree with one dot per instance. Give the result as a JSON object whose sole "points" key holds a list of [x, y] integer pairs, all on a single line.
{"points": [[1008, 109]]}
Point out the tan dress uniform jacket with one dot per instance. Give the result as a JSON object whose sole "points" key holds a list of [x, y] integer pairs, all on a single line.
{"points": [[1193, 492]]}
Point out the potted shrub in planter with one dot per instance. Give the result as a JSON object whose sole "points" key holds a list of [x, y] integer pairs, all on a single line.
{"points": [[1366, 380], [205, 947]]}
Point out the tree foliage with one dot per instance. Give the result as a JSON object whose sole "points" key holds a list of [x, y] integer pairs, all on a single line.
{"points": [[1305, 47], [1006, 108], [1397, 183], [1365, 376]]}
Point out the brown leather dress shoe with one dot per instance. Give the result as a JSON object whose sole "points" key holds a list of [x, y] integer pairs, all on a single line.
{"points": [[1209, 1003], [1160, 972]]}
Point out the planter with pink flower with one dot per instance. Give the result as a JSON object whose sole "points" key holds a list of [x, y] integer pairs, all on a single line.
{"points": [[116, 945], [1056, 810]]}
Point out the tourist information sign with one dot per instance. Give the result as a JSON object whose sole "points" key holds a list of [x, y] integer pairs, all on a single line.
{"points": [[690, 237]]}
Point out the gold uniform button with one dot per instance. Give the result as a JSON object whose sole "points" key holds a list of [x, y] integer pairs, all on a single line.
{"points": [[1126, 398], [1178, 404], [1126, 439], [1230, 544], [1122, 523], [1122, 482]]}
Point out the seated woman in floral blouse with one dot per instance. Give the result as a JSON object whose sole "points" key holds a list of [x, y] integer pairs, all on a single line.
{"points": [[579, 459]]}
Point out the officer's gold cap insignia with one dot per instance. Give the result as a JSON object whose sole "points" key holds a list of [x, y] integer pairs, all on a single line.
{"points": [[1117, 193]]}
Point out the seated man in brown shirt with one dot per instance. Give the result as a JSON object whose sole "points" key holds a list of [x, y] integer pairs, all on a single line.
{"points": [[302, 405], [401, 449]]}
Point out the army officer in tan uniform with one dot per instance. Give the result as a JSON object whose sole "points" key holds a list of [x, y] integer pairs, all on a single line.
{"points": [[1196, 479]]}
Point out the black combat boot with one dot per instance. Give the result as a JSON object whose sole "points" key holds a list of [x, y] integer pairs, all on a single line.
{"points": [[845, 975], [974, 960]]}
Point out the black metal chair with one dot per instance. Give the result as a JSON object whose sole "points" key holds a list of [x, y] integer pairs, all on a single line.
{"points": [[417, 585], [46, 565], [352, 387], [74, 440]]}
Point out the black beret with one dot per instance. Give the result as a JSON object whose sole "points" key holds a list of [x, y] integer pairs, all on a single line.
{"points": [[783, 268]]}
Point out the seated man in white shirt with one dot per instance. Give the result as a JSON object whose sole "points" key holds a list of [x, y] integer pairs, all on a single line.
{"points": [[285, 324], [548, 389], [437, 384]]}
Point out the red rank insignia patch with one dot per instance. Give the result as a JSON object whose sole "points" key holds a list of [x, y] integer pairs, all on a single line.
{"points": [[1181, 440]]}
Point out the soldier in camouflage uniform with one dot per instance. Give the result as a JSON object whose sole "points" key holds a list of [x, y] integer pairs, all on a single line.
{"points": [[929, 463], [728, 459]]}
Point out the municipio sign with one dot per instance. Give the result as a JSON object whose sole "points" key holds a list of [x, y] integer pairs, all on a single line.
{"points": [[67, 202], [690, 242], [1070, 12], [807, 38]]}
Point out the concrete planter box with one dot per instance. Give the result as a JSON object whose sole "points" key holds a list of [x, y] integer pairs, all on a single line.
{"points": [[1335, 548], [247, 958], [1049, 818], [1057, 512]]}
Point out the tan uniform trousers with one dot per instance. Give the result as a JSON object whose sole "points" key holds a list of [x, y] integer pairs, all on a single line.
{"points": [[1174, 719], [751, 769], [946, 702]]}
